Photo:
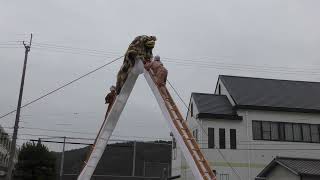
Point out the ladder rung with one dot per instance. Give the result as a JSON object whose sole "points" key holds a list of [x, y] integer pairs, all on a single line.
{"points": [[167, 99], [188, 138], [201, 160], [172, 109]]}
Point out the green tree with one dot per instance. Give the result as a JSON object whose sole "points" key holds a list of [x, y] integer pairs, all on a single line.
{"points": [[35, 162]]}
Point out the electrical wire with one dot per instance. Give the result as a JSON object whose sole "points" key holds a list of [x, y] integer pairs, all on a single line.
{"points": [[73, 52], [211, 60], [179, 61], [223, 67], [85, 133], [63, 86], [72, 48], [201, 62]]}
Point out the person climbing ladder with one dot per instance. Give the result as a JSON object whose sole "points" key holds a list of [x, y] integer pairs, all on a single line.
{"points": [[110, 98]]}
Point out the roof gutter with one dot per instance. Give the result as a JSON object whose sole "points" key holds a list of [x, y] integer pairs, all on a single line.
{"points": [[270, 108]]}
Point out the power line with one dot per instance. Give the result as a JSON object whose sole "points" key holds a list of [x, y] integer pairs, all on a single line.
{"points": [[61, 142], [61, 87], [179, 61], [176, 92], [210, 61], [65, 131], [73, 52], [73, 48], [86, 133], [224, 67]]}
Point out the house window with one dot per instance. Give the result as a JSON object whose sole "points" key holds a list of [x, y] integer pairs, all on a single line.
{"points": [[233, 139], [210, 138], [306, 133], [224, 176], [174, 149], [222, 138], [256, 130], [314, 133], [282, 131], [195, 134], [174, 143], [191, 109], [219, 89], [288, 132], [266, 130], [297, 132], [275, 131]]}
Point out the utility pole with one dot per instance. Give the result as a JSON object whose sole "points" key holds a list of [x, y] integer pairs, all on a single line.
{"points": [[134, 158], [62, 158], [16, 123]]}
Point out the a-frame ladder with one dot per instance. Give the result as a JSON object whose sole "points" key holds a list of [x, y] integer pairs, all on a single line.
{"points": [[178, 126]]}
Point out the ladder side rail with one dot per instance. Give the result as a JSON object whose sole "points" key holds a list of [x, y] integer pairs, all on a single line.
{"points": [[204, 165], [172, 127], [187, 137], [110, 123], [192, 145]]}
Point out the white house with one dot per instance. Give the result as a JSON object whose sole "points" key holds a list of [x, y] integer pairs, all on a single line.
{"points": [[247, 122]]}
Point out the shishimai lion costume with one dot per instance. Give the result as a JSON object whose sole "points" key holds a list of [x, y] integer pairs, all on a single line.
{"points": [[139, 49]]}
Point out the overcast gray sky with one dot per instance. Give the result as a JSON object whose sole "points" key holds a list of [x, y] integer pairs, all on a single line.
{"points": [[197, 40]]}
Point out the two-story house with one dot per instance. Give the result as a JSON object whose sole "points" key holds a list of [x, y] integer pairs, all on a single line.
{"points": [[247, 122]]}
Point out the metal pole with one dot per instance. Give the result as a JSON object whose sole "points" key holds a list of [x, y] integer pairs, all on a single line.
{"points": [[16, 123], [134, 158], [62, 158]]}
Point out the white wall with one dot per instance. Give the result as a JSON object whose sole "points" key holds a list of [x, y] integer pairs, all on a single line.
{"points": [[251, 156], [281, 173]]}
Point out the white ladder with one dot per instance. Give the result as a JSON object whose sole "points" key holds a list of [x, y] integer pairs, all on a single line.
{"points": [[190, 149], [110, 122]]}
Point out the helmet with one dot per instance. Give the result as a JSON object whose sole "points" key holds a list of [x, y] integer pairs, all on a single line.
{"points": [[157, 58], [112, 88]]}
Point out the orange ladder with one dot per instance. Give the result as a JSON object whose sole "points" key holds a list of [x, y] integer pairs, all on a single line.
{"points": [[185, 132]]}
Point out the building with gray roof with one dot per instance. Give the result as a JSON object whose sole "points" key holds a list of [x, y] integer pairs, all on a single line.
{"points": [[291, 168], [246, 122]]}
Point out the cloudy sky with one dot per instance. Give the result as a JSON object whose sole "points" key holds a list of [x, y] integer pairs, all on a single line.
{"points": [[197, 40]]}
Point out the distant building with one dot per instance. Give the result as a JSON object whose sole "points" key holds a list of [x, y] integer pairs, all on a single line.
{"points": [[122, 161], [286, 168], [247, 122]]}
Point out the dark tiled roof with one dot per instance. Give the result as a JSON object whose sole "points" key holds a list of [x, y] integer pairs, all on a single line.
{"points": [[302, 166], [299, 166], [259, 93], [215, 106]]}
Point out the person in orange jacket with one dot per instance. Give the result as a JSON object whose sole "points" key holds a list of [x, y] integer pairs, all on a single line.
{"points": [[159, 71]]}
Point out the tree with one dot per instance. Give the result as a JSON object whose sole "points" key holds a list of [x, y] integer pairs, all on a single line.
{"points": [[35, 162]]}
